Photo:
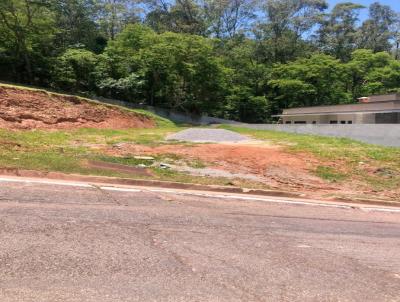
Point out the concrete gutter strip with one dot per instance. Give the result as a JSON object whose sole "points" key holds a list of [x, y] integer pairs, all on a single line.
{"points": [[185, 186]]}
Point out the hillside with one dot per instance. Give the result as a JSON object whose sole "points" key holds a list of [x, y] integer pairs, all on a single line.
{"points": [[24, 108], [81, 136]]}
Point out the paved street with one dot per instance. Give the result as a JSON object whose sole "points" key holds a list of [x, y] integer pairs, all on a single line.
{"points": [[66, 243]]}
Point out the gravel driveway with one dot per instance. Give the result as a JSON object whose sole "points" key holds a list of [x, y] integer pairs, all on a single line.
{"points": [[200, 135]]}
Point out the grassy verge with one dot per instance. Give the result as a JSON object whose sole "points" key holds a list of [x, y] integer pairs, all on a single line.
{"points": [[65, 151], [341, 159], [68, 152]]}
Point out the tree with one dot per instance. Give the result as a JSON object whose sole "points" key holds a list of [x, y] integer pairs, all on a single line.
{"points": [[74, 70], [114, 15], [27, 29], [178, 71], [319, 80], [182, 16], [226, 18], [75, 20], [337, 35], [187, 76], [396, 37], [120, 70], [243, 106], [287, 21], [372, 73], [377, 31]]}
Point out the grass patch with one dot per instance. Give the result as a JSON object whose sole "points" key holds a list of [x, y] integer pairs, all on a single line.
{"points": [[330, 174], [128, 161], [69, 151], [64, 151], [325, 147], [355, 160], [150, 137]]}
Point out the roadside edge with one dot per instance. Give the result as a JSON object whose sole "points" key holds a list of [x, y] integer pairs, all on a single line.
{"points": [[183, 186]]}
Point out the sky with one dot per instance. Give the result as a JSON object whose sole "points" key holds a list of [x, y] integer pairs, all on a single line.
{"points": [[394, 4]]}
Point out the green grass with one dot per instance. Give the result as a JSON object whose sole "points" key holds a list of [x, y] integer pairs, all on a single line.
{"points": [[61, 150], [330, 174], [340, 160], [351, 159], [68, 151]]}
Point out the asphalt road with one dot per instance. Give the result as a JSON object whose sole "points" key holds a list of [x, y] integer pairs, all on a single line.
{"points": [[60, 243]]}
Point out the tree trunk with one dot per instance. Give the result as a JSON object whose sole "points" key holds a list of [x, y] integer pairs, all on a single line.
{"points": [[28, 67]]}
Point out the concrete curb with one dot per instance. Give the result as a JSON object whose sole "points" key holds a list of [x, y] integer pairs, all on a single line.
{"points": [[182, 186]]}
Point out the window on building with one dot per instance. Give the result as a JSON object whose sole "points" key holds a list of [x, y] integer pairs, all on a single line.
{"points": [[300, 122], [333, 122], [349, 122], [314, 122], [288, 122], [343, 122]]}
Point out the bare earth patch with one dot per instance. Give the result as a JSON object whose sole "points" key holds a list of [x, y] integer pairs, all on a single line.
{"points": [[272, 165], [28, 109]]}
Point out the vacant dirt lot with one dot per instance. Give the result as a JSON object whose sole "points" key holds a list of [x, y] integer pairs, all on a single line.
{"points": [[315, 166], [271, 164], [26, 109]]}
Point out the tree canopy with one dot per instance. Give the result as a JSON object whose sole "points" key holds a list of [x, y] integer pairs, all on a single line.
{"points": [[239, 59]]}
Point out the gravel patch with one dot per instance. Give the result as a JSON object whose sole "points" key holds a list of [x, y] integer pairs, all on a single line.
{"points": [[199, 135]]}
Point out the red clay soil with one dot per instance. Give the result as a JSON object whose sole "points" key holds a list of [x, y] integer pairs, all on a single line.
{"points": [[273, 165], [27, 109]]}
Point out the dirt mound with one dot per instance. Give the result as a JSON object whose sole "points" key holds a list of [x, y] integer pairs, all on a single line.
{"points": [[30, 109]]}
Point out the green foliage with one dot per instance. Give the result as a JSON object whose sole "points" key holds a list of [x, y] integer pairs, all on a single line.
{"points": [[338, 32], [232, 59], [376, 32], [319, 80], [26, 31], [74, 70], [177, 71], [373, 73], [243, 106]]}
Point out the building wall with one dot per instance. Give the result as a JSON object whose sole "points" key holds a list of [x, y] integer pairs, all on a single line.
{"points": [[356, 118], [175, 116], [387, 135], [387, 118], [347, 108]]}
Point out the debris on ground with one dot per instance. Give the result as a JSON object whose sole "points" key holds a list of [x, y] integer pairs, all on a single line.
{"points": [[164, 166], [144, 157], [270, 165]]}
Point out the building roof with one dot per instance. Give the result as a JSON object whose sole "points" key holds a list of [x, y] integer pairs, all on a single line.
{"points": [[374, 104], [381, 98]]}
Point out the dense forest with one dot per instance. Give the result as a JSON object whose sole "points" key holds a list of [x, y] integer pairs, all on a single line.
{"points": [[237, 59]]}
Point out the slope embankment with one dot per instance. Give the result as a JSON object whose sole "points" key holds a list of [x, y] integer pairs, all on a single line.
{"points": [[38, 109]]}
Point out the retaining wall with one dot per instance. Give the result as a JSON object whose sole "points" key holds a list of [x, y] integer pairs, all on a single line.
{"points": [[175, 116], [380, 134]]}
